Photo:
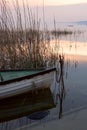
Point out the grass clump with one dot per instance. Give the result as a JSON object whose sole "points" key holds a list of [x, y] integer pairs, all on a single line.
{"points": [[22, 43]]}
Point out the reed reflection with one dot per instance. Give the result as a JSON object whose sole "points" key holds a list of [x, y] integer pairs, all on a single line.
{"points": [[61, 86]]}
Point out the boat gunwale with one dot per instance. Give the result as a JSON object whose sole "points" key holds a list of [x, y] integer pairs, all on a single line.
{"points": [[29, 69], [42, 72]]}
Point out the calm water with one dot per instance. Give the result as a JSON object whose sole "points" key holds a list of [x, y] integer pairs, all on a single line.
{"points": [[74, 49]]}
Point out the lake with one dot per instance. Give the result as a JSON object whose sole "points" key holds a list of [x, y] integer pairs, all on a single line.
{"points": [[74, 95]]}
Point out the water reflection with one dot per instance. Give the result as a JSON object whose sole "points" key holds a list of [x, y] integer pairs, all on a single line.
{"points": [[67, 47], [40, 104], [37, 99], [38, 115], [61, 86]]}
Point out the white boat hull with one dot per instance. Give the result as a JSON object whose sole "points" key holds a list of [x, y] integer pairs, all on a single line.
{"points": [[26, 85]]}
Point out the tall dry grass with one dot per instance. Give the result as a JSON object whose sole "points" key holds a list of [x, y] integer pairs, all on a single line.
{"points": [[22, 43]]}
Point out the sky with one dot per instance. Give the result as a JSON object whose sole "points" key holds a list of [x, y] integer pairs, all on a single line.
{"points": [[51, 2], [57, 2], [64, 11], [63, 2], [67, 13]]}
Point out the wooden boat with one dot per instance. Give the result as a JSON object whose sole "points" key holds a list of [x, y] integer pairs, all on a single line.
{"points": [[23, 92], [21, 81]]}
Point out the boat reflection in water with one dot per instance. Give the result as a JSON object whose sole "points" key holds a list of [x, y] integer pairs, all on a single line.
{"points": [[38, 115], [38, 104], [35, 100]]}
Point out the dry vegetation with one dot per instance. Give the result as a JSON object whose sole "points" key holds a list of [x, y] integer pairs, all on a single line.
{"points": [[22, 43]]}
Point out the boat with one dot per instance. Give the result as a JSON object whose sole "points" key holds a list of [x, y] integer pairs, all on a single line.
{"points": [[23, 92], [15, 82]]}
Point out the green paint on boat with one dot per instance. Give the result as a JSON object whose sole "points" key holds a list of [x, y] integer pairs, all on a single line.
{"points": [[8, 75]]}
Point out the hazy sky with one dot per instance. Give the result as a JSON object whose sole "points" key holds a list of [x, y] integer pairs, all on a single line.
{"points": [[63, 2], [51, 2], [68, 13], [71, 10], [57, 2]]}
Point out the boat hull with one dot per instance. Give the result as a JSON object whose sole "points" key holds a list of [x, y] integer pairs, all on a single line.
{"points": [[21, 98], [25, 85]]}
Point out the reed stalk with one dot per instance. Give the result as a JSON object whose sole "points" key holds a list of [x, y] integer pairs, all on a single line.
{"points": [[22, 43]]}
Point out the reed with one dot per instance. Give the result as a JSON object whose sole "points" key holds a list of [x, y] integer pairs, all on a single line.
{"points": [[22, 42]]}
